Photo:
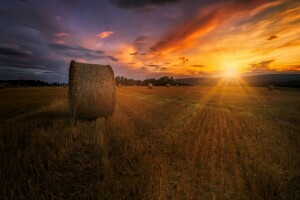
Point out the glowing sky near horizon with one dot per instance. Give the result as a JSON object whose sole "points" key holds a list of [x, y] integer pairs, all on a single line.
{"points": [[142, 39]]}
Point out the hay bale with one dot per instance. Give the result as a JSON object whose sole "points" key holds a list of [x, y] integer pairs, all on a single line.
{"points": [[150, 86], [271, 87], [92, 90], [168, 85]]}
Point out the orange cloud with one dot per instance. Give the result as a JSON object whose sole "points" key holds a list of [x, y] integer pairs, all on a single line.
{"points": [[62, 34], [104, 34]]}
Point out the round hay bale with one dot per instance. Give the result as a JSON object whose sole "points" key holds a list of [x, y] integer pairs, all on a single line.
{"points": [[92, 90], [271, 87], [150, 86], [168, 85]]}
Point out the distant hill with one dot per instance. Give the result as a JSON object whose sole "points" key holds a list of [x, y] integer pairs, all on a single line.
{"points": [[280, 80]]}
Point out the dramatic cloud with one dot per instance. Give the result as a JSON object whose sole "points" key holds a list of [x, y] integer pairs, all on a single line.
{"points": [[141, 3], [104, 34], [205, 20]]}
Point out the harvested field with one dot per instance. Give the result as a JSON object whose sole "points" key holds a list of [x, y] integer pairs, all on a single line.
{"points": [[166, 143]]}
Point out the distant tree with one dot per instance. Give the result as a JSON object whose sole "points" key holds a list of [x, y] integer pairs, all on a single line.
{"points": [[171, 81]]}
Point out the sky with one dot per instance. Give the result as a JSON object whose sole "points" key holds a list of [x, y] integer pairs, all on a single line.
{"points": [[149, 38]]}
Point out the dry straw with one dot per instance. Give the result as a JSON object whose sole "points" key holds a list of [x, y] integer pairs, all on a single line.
{"points": [[150, 86], [92, 91]]}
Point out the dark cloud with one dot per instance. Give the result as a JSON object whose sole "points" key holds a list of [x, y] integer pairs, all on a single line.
{"points": [[262, 66], [144, 68], [141, 3], [272, 37]]}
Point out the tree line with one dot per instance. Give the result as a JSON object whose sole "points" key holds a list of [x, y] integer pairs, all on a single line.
{"points": [[123, 81], [120, 81]]}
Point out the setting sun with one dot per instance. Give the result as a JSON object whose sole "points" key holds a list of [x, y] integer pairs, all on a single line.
{"points": [[230, 72]]}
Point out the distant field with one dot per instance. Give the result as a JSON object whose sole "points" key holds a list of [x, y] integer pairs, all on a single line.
{"points": [[164, 143]]}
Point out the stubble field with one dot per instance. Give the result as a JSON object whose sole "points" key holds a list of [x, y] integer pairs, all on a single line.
{"points": [[164, 143]]}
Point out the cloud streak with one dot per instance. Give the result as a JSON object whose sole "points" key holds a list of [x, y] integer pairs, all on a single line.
{"points": [[61, 34], [206, 20], [262, 66]]}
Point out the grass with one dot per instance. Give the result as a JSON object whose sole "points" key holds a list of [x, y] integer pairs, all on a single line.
{"points": [[164, 143]]}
